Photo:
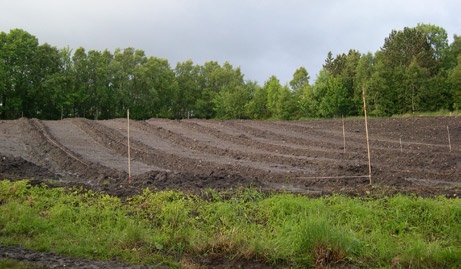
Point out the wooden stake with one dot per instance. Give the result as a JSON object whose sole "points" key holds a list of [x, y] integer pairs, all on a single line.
{"points": [[449, 140], [401, 147], [366, 132], [129, 154], [344, 134]]}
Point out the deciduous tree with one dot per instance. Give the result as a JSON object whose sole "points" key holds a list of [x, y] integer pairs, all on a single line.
{"points": [[18, 49]]}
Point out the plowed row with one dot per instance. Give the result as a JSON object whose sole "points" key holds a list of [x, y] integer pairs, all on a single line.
{"points": [[407, 154]]}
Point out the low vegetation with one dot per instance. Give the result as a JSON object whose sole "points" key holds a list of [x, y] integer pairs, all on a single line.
{"points": [[284, 230]]}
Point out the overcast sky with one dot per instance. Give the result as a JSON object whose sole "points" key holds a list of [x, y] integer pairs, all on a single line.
{"points": [[262, 37]]}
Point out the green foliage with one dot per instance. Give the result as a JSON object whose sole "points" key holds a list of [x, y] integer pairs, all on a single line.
{"points": [[409, 60], [18, 50], [282, 229], [230, 104], [257, 108], [437, 37], [186, 75], [414, 71], [300, 79], [274, 90], [305, 102], [336, 101], [232, 94], [455, 80]]}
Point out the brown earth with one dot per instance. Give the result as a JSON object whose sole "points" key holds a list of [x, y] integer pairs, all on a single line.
{"points": [[408, 155]]}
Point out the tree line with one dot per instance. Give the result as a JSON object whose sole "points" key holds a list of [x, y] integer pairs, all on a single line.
{"points": [[416, 70]]}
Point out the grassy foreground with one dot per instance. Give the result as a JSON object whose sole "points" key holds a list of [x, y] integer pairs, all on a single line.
{"points": [[283, 230]]}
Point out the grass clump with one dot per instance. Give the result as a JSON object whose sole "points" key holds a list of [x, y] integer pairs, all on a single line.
{"points": [[283, 230]]}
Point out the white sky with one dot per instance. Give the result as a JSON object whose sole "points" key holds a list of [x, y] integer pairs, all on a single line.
{"points": [[262, 37]]}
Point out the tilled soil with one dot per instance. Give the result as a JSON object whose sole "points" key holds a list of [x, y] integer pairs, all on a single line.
{"points": [[418, 155]]}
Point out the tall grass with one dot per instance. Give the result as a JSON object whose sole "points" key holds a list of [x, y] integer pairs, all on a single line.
{"points": [[284, 230]]}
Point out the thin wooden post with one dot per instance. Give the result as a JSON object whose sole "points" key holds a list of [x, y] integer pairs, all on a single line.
{"points": [[401, 146], [129, 151], [449, 140], [366, 132], [344, 134]]}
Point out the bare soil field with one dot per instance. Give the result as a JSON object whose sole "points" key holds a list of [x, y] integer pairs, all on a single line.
{"points": [[408, 155]]}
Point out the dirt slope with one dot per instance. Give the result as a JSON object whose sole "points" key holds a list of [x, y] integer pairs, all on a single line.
{"points": [[407, 154]]}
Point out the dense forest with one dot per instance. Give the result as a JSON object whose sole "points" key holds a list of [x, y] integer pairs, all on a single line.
{"points": [[416, 70]]}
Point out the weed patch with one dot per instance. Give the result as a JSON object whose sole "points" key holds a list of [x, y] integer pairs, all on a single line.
{"points": [[280, 230]]}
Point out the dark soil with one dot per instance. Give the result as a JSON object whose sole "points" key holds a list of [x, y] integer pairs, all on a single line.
{"points": [[408, 155], [34, 259]]}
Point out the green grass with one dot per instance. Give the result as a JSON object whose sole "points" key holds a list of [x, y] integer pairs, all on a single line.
{"points": [[285, 230]]}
